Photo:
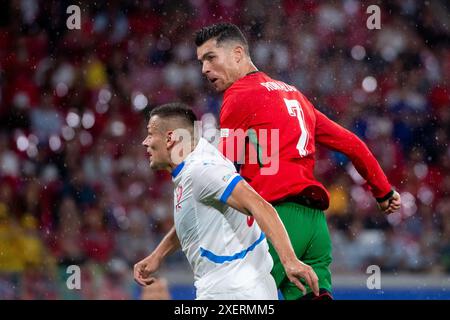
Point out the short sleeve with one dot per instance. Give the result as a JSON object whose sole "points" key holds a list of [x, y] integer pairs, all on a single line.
{"points": [[213, 182]]}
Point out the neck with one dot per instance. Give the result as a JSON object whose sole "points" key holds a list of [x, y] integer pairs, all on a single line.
{"points": [[180, 152], [249, 67]]}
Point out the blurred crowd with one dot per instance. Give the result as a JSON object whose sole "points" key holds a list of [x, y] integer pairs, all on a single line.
{"points": [[75, 184]]}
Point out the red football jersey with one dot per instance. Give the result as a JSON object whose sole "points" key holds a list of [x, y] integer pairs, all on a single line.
{"points": [[271, 129]]}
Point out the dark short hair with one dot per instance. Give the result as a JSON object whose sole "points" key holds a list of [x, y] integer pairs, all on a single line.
{"points": [[175, 110], [221, 32]]}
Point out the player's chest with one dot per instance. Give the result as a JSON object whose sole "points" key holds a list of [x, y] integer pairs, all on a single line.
{"points": [[182, 195]]}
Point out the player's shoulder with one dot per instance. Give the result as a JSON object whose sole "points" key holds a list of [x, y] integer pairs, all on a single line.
{"points": [[245, 86], [243, 92], [204, 155], [207, 167]]}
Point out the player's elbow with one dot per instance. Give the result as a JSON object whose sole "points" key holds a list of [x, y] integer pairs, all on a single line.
{"points": [[354, 147], [261, 207]]}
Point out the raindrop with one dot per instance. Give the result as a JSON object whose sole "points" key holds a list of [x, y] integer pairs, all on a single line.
{"points": [[140, 101], [85, 138], [32, 151], [358, 52], [101, 107], [61, 89], [388, 53], [54, 142], [73, 119], [68, 133], [425, 195], [88, 120], [22, 143], [369, 84], [117, 128], [420, 170], [104, 96], [33, 139]]}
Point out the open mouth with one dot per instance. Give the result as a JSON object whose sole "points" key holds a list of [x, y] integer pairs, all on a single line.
{"points": [[213, 80]]}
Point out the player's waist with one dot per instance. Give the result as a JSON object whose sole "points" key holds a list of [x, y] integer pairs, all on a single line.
{"points": [[218, 258], [309, 193], [316, 200], [237, 276], [290, 181]]}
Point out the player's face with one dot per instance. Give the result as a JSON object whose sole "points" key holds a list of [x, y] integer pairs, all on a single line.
{"points": [[219, 63], [156, 144]]}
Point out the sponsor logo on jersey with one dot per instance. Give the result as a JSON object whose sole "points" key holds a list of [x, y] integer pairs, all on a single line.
{"points": [[227, 177]]}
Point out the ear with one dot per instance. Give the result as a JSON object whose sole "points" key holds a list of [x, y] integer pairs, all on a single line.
{"points": [[170, 139], [239, 53]]}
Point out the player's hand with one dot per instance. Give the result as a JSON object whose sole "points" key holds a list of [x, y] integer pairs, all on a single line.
{"points": [[392, 204], [297, 270], [144, 270]]}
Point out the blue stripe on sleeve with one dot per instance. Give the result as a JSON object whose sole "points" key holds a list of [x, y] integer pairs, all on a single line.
{"points": [[226, 194]]}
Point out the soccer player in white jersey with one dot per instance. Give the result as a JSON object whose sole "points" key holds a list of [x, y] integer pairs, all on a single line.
{"points": [[220, 221]]}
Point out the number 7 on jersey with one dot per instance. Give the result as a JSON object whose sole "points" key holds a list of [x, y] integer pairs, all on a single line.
{"points": [[295, 110]]}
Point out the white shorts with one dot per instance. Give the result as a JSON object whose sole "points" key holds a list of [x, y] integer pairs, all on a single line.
{"points": [[264, 288]]}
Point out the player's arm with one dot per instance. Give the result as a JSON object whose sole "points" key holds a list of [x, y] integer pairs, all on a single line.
{"points": [[216, 182], [332, 135], [245, 199], [144, 270]]}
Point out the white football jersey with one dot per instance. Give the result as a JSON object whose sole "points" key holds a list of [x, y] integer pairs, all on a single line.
{"points": [[226, 249]]}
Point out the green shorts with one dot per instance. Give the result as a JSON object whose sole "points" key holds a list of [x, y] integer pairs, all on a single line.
{"points": [[307, 228]]}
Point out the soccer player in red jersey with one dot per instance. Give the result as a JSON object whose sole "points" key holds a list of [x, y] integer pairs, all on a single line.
{"points": [[270, 128]]}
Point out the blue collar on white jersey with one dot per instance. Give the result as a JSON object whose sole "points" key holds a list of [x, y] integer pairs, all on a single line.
{"points": [[177, 169]]}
